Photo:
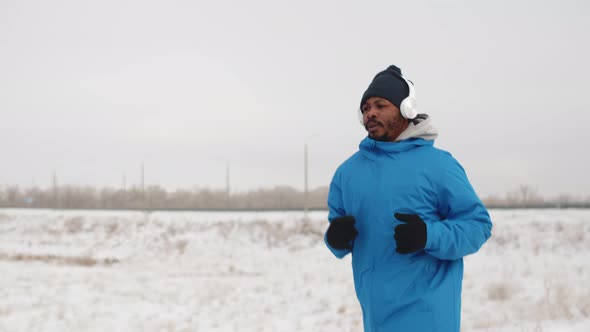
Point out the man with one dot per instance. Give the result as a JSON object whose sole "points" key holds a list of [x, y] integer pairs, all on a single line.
{"points": [[407, 213]]}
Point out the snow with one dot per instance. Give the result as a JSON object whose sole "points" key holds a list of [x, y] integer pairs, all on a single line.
{"points": [[263, 271]]}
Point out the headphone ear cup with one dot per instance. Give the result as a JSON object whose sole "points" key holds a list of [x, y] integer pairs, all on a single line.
{"points": [[408, 108]]}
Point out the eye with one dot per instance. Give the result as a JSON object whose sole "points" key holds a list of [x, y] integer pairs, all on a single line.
{"points": [[364, 109]]}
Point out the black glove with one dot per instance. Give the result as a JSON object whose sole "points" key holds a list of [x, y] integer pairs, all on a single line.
{"points": [[341, 232], [410, 236]]}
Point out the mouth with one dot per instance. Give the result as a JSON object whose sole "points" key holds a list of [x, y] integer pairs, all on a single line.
{"points": [[372, 125]]}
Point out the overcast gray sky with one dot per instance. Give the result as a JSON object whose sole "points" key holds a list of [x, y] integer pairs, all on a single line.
{"points": [[91, 89]]}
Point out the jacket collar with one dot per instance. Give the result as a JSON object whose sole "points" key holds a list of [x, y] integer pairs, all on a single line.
{"points": [[420, 132], [371, 148]]}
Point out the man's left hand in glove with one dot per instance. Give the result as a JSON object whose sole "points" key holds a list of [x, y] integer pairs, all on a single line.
{"points": [[410, 236]]}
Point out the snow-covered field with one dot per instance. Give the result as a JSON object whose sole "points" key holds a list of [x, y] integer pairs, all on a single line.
{"points": [[265, 271]]}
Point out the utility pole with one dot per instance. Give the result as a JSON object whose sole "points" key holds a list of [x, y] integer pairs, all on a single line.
{"points": [[227, 188], [142, 181], [305, 177], [227, 182], [124, 202], [142, 174], [55, 191]]}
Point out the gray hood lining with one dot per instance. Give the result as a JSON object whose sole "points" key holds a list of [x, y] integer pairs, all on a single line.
{"points": [[420, 127]]}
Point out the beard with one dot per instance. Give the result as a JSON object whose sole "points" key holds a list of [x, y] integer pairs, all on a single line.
{"points": [[390, 130], [382, 138]]}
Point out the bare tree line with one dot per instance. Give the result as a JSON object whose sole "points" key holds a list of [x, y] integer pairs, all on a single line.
{"points": [[155, 197], [528, 197]]}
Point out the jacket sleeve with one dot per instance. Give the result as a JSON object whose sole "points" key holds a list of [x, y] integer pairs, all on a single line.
{"points": [[465, 224], [336, 206]]}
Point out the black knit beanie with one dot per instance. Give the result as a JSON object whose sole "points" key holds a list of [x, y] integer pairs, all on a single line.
{"points": [[388, 84]]}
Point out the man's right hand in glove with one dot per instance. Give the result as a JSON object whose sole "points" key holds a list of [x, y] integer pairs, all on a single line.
{"points": [[341, 232]]}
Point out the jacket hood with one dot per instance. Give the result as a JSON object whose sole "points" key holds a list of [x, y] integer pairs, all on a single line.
{"points": [[420, 132], [420, 127]]}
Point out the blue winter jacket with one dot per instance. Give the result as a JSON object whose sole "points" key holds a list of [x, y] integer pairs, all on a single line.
{"points": [[418, 292]]}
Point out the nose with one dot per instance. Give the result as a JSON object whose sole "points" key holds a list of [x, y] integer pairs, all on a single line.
{"points": [[368, 119], [369, 114]]}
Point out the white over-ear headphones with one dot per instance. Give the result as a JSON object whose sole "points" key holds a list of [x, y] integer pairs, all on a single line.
{"points": [[407, 107]]}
